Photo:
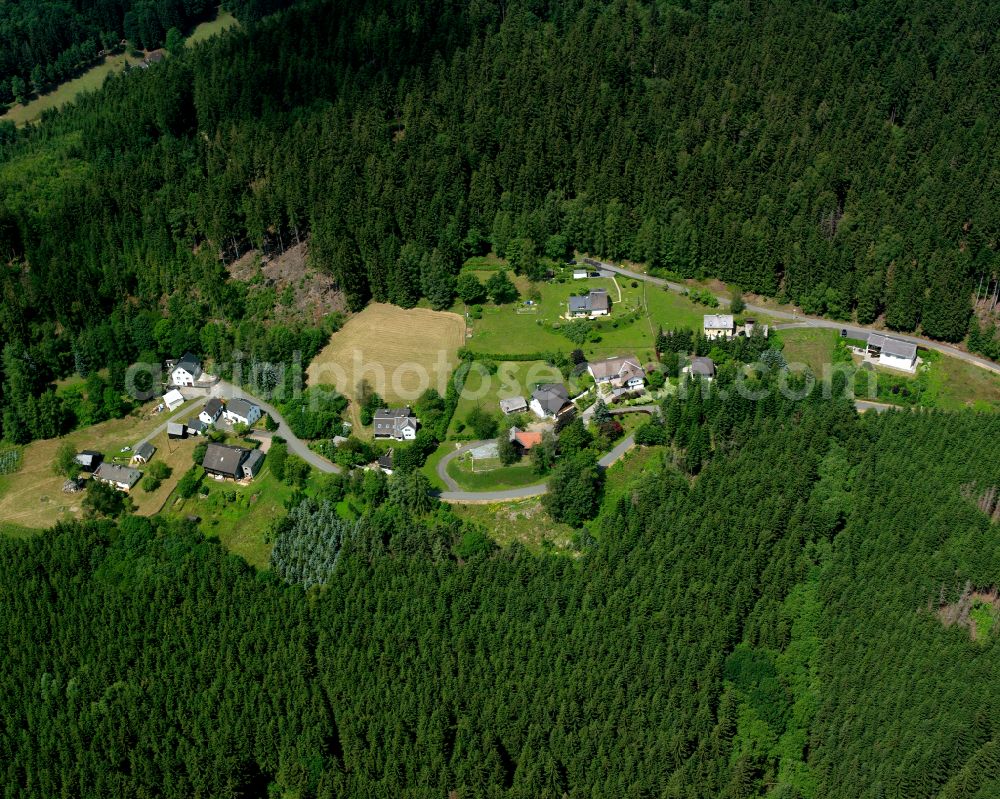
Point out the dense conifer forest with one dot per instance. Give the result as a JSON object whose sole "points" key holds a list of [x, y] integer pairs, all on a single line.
{"points": [[795, 601], [830, 154], [774, 626]]}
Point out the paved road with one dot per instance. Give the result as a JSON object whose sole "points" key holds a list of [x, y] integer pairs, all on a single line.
{"points": [[228, 391], [455, 493], [797, 320], [296, 445]]}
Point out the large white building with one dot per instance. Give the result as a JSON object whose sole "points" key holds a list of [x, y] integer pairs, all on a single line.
{"points": [[892, 352], [241, 411], [186, 371], [718, 326]]}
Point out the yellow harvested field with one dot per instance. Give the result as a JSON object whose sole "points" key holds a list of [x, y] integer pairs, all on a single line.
{"points": [[399, 352]]}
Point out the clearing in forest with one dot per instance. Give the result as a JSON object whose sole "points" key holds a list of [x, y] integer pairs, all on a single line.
{"points": [[399, 352]]}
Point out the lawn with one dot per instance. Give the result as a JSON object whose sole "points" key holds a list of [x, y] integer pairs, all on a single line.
{"points": [[239, 515], [955, 384], [32, 496], [429, 469], [512, 379], [813, 347], [177, 455], [500, 478], [524, 521], [519, 329], [399, 352], [206, 30]]}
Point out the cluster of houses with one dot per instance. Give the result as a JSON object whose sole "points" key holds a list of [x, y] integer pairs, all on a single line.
{"points": [[236, 411]]}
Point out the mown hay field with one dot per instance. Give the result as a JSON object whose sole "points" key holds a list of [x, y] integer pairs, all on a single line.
{"points": [[399, 352]]}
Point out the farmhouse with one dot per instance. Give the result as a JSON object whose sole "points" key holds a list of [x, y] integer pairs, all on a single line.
{"points": [[595, 303], [513, 405], [892, 352], [623, 374], [241, 411], [173, 399], [143, 453], [176, 430], [186, 371], [223, 460], [121, 477], [252, 464], [212, 411], [718, 326], [89, 460], [525, 439], [550, 400], [397, 423], [700, 367]]}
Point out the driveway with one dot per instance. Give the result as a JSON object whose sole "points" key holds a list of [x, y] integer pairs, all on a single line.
{"points": [[797, 320]]}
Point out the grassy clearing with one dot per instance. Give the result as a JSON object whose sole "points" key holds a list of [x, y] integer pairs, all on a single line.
{"points": [[93, 79], [89, 81], [955, 384], [206, 30], [983, 616], [429, 468], [635, 465], [16, 531], [178, 456], [503, 477], [813, 347], [400, 352], [32, 496], [519, 329], [512, 379], [239, 515], [524, 521]]}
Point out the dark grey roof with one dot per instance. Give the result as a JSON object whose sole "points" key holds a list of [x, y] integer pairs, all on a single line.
{"points": [[894, 347], [392, 421], [240, 407], [113, 473], [705, 367], [189, 363], [224, 459], [253, 462], [385, 460], [195, 424], [213, 407], [145, 451], [553, 397], [595, 300]]}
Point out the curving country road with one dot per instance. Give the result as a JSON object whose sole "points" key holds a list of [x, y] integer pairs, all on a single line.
{"points": [[797, 320], [457, 495]]}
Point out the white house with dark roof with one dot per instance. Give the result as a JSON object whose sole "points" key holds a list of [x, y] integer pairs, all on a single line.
{"points": [[241, 411], [186, 371], [595, 303], [550, 401], [719, 325], [703, 368], [212, 411], [396, 423], [892, 352], [623, 374]]}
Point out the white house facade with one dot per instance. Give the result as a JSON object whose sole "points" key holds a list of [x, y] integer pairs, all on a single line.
{"points": [[718, 326], [241, 411], [186, 371]]}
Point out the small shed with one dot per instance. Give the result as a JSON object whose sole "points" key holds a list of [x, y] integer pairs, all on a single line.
{"points": [[89, 460], [176, 430], [143, 452], [173, 399]]}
